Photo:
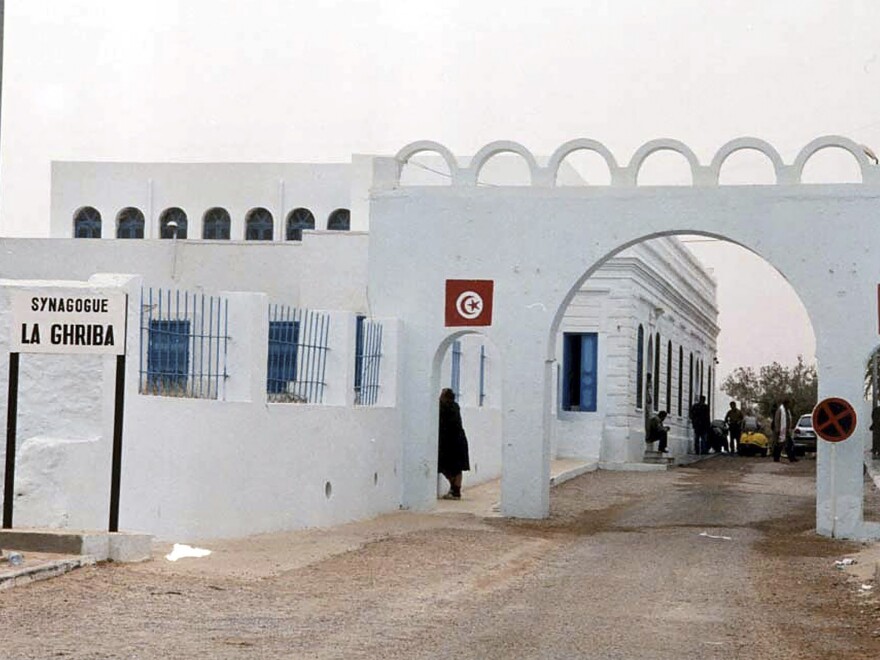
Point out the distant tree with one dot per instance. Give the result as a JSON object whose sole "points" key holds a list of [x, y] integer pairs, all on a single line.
{"points": [[772, 384]]}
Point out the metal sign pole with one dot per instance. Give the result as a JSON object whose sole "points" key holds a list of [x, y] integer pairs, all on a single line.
{"points": [[116, 470], [11, 424]]}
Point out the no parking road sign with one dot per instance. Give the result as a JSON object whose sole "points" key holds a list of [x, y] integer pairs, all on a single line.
{"points": [[834, 419]]}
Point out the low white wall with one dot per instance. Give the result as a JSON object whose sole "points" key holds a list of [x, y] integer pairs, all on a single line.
{"points": [[204, 468]]}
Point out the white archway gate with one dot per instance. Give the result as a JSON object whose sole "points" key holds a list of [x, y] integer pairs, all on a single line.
{"points": [[539, 243]]}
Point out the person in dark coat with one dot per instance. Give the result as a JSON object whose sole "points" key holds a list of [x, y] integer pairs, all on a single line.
{"points": [[452, 446], [701, 422], [875, 428]]}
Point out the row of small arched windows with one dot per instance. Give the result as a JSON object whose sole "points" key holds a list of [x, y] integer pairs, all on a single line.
{"points": [[650, 384], [216, 223]]}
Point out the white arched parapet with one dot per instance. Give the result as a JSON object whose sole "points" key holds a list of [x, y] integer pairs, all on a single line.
{"points": [[577, 145], [665, 144], [495, 148], [755, 144], [414, 148], [870, 172]]}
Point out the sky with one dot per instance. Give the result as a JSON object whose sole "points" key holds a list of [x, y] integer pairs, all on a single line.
{"points": [[277, 80]]}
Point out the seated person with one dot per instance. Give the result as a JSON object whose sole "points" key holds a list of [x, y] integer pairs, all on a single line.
{"points": [[658, 432]]}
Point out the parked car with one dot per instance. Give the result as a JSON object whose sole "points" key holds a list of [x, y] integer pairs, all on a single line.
{"points": [[803, 435]]}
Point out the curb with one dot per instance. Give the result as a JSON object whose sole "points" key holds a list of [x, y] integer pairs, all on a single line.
{"points": [[43, 571], [567, 475]]}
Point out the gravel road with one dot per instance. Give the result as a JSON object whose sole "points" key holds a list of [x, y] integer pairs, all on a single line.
{"points": [[626, 567]]}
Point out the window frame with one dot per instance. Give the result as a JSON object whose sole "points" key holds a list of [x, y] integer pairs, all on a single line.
{"points": [[584, 347]]}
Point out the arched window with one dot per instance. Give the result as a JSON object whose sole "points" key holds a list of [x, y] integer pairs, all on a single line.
{"points": [[167, 220], [640, 366], [669, 377], [701, 378], [709, 387], [130, 223], [87, 223], [215, 224], [258, 225], [657, 371], [340, 220], [297, 220], [680, 376], [691, 384]]}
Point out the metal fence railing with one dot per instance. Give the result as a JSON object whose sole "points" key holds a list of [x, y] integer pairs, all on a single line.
{"points": [[184, 338], [297, 355], [368, 359]]}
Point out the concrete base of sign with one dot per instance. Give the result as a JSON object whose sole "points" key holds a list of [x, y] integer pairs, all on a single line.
{"points": [[118, 546]]}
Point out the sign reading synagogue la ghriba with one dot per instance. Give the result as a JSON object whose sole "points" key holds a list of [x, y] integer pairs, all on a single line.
{"points": [[69, 321], [469, 302]]}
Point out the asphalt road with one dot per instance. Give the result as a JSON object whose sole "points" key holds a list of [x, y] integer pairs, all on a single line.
{"points": [[626, 567]]}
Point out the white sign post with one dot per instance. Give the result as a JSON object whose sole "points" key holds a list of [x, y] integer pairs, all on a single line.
{"points": [[78, 321], [68, 321]]}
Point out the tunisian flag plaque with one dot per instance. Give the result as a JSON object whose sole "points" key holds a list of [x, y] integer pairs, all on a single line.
{"points": [[469, 302]]}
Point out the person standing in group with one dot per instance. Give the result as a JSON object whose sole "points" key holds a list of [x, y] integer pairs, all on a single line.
{"points": [[452, 449], [700, 421], [781, 428], [657, 432], [875, 428], [734, 419]]}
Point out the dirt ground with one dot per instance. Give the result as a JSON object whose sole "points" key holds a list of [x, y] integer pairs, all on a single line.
{"points": [[627, 567]]}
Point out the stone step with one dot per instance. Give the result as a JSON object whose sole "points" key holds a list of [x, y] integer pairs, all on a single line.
{"points": [[117, 546]]}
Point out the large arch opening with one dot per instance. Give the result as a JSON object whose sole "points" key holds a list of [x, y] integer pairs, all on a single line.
{"points": [[668, 318]]}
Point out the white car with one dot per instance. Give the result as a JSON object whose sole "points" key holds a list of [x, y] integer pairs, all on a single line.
{"points": [[803, 435]]}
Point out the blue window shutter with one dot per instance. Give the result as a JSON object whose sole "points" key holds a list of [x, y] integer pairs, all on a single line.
{"points": [[283, 344], [359, 353], [589, 345], [168, 354], [567, 369]]}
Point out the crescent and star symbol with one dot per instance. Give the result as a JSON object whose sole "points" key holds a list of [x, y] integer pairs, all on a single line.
{"points": [[469, 305]]}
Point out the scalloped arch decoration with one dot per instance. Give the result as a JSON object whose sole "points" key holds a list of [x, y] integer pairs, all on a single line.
{"points": [[836, 141], [421, 146], [582, 144], [664, 144], [627, 176], [499, 147], [747, 143]]}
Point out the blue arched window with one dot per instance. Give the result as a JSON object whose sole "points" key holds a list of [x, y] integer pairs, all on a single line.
{"points": [[215, 224], [657, 372], [87, 223], [640, 366], [168, 220], [258, 225], [297, 220], [669, 377], [680, 376], [130, 223], [340, 220]]}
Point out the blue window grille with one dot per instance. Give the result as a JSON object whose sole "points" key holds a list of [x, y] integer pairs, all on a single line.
{"points": [[130, 223], [455, 376], [368, 360], [297, 220], [216, 224], [258, 225], [580, 371], [184, 339], [87, 223], [178, 229], [339, 220], [482, 375], [297, 355]]}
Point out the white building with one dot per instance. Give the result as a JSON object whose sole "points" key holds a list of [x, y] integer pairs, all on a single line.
{"points": [[232, 454]]}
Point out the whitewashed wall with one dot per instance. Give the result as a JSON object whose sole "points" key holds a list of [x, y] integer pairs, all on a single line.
{"points": [[202, 468]]}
